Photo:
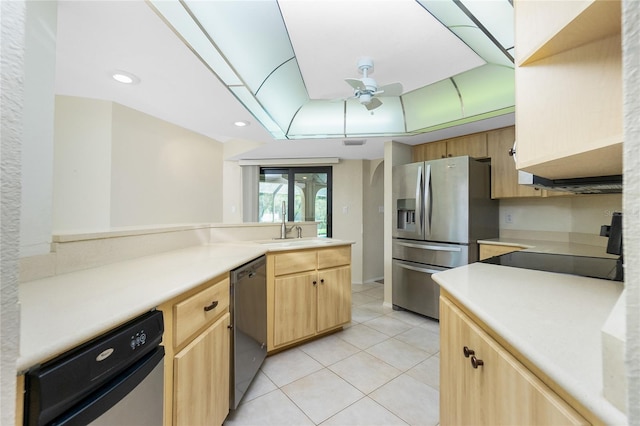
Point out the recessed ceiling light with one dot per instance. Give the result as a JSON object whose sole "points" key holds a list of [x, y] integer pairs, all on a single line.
{"points": [[241, 123], [125, 77]]}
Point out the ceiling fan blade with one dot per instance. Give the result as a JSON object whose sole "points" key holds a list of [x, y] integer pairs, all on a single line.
{"points": [[375, 103], [393, 89], [355, 83]]}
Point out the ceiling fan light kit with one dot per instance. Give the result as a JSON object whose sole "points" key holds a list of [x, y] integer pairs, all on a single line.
{"points": [[366, 89]]}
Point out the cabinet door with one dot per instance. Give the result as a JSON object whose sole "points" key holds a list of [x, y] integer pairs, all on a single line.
{"points": [[474, 146], [334, 297], [501, 390], [459, 395], [294, 308], [504, 176], [429, 151], [201, 377]]}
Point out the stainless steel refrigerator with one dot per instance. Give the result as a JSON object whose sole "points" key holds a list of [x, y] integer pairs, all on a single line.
{"points": [[440, 209]]}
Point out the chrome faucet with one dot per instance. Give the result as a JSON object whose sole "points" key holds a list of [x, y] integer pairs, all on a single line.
{"points": [[283, 227]]}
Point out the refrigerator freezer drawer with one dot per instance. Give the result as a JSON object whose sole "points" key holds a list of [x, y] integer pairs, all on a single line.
{"points": [[414, 289], [447, 255]]}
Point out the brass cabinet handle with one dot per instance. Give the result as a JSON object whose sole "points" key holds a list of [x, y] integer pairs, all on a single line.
{"points": [[467, 352], [211, 306], [475, 362]]}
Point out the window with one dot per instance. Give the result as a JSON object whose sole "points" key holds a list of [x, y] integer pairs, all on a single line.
{"points": [[306, 192]]}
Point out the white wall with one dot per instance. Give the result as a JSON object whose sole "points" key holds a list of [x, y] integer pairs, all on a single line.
{"points": [[347, 210], [12, 20], [82, 172], [115, 166], [37, 146], [631, 230], [162, 173], [373, 220]]}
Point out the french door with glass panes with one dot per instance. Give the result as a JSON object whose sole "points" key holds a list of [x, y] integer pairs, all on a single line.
{"points": [[306, 192]]}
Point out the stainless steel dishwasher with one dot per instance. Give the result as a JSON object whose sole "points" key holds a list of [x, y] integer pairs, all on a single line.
{"points": [[115, 379], [249, 325]]}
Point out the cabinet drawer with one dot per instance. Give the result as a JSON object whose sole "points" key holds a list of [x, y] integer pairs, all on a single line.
{"points": [[197, 311], [330, 257], [298, 261]]}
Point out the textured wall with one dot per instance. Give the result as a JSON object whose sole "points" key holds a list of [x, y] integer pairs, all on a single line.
{"points": [[631, 200], [12, 17]]}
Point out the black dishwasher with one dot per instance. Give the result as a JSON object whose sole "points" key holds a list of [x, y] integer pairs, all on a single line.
{"points": [[116, 378]]}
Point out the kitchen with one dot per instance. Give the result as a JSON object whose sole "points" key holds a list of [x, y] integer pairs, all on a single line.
{"points": [[580, 221]]}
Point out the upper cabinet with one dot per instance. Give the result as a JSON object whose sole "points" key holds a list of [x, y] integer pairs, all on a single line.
{"points": [[474, 145], [504, 176], [568, 88]]}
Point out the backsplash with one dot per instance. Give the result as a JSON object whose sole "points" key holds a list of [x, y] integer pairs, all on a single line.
{"points": [[574, 219], [74, 252]]}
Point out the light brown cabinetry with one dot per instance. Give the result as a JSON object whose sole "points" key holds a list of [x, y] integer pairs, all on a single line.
{"points": [[474, 146], [504, 176], [568, 88], [481, 383], [490, 250], [197, 349], [308, 293]]}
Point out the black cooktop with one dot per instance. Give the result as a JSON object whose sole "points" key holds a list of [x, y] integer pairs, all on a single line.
{"points": [[595, 267]]}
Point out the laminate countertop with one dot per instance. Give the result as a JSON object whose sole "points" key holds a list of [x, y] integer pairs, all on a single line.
{"points": [[557, 247], [552, 319], [60, 312]]}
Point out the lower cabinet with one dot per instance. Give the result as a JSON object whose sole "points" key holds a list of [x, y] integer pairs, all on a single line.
{"points": [[481, 383], [201, 377], [197, 343], [308, 293]]}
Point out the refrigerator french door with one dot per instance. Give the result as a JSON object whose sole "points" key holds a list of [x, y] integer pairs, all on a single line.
{"points": [[441, 208]]}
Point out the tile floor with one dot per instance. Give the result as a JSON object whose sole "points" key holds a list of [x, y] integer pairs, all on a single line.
{"points": [[383, 369]]}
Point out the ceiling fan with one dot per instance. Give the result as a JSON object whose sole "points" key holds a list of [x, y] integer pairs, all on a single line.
{"points": [[366, 89]]}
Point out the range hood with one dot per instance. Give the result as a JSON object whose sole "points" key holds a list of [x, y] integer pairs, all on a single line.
{"points": [[585, 185]]}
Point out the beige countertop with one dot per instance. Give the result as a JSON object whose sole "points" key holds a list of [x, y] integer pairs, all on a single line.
{"points": [[60, 312], [558, 247], [555, 320]]}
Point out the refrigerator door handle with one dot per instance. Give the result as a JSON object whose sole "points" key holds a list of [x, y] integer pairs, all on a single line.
{"points": [[419, 210], [427, 247], [413, 268], [428, 201]]}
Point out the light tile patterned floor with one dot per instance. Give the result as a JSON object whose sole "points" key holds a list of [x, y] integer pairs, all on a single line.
{"points": [[383, 369]]}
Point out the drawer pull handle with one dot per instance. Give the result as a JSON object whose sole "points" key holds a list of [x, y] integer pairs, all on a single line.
{"points": [[468, 352], [315, 282], [475, 362], [211, 306], [322, 281]]}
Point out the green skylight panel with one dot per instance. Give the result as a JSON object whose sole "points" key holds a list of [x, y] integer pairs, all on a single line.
{"points": [[283, 93], [432, 105], [487, 88], [318, 117]]}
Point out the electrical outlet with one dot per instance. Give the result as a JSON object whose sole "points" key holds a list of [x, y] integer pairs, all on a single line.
{"points": [[508, 217]]}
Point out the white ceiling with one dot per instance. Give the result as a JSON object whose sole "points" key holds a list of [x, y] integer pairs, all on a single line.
{"points": [[407, 44]]}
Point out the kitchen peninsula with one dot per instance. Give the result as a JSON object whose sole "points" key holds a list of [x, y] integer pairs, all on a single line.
{"points": [[62, 311]]}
